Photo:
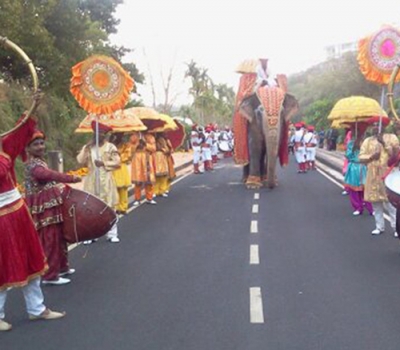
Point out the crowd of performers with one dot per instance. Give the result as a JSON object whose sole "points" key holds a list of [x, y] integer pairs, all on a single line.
{"points": [[368, 160], [32, 246], [303, 143], [207, 143]]}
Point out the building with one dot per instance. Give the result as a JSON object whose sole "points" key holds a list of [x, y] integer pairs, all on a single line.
{"points": [[336, 51]]}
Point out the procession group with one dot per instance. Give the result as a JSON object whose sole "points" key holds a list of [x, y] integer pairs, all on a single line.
{"points": [[207, 143], [368, 161], [33, 250], [303, 143]]}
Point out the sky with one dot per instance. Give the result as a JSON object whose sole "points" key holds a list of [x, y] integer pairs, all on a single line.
{"points": [[220, 34]]}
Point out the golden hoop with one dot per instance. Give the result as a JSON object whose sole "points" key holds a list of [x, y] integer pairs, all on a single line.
{"points": [[390, 90], [9, 44]]}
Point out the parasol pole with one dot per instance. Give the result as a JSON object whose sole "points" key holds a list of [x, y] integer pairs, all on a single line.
{"points": [[97, 170], [382, 102]]}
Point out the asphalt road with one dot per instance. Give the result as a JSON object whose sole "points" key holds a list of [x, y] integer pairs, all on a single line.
{"points": [[181, 278]]}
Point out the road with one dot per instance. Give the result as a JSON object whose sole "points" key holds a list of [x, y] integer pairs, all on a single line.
{"points": [[219, 267]]}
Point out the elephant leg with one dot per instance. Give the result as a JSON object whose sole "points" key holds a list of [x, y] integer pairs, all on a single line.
{"points": [[246, 172], [256, 149], [263, 166]]}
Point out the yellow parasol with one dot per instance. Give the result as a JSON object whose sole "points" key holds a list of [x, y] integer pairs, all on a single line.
{"points": [[119, 121], [247, 66], [355, 108], [100, 85], [149, 117], [170, 124], [378, 54]]}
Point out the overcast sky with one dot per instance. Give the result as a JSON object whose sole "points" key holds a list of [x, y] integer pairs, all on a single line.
{"points": [[219, 34]]}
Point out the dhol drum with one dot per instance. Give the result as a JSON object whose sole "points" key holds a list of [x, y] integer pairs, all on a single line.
{"points": [[85, 216], [224, 146], [392, 184]]}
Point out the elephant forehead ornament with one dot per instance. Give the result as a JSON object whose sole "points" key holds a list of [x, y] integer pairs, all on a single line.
{"points": [[271, 99]]}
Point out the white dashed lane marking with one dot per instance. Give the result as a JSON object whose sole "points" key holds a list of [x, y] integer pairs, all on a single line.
{"points": [[254, 255], [255, 209], [254, 226], [256, 305]]}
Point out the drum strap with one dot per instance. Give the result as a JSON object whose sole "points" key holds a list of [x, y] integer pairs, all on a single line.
{"points": [[72, 214]]}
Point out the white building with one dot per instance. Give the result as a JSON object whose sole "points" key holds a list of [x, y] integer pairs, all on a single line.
{"points": [[336, 51]]}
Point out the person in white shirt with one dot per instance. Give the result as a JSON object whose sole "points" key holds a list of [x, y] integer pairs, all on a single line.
{"points": [[311, 142], [299, 147], [195, 141]]}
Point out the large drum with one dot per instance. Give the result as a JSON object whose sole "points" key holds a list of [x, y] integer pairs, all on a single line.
{"points": [[85, 216], [224, 146], [392, 184]]}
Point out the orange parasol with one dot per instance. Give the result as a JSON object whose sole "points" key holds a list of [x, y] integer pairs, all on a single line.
{"points": [[378, 54], [100, 85], [177, 136], [119, 121]]}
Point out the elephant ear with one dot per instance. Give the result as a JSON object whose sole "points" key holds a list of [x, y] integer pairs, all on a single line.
{"points": [[281, 81], [283, 152]]}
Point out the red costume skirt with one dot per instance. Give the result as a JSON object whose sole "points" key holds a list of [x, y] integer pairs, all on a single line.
{"points": [[21, 254]]}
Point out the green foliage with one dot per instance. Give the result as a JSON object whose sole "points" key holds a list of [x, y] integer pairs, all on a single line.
{"points": [[316, 114], [321, 86], [211, 103], [55, 34]]}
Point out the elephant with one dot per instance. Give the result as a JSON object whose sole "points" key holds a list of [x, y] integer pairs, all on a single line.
{"points": [[268, 112]]}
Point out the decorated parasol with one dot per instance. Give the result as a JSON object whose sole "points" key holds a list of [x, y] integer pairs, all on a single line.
{"points": [[378, 54], [169, 125], [149, 117], [355, 108], [177, 136], [119, 121], [100, 85], [354, 111], [247, 66]]}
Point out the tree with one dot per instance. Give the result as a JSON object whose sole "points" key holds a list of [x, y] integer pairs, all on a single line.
{"points": [[316, 114], [211, 103], [333, 80]]}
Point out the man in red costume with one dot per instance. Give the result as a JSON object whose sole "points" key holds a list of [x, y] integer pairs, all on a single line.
{"points": [[43, 197], [22, 260]]}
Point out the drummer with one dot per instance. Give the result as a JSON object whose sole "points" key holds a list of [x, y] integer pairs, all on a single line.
{"points": [[375, 152], [105, 159], [21, 255], [43, 197]]}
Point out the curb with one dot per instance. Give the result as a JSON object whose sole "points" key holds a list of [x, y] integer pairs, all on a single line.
{"points": [[179, 168]]}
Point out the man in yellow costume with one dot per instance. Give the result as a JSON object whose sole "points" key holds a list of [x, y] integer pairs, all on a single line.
{"points": [[105, 159], [165, 171], [375, 152], [121, 175], [143, 174]]}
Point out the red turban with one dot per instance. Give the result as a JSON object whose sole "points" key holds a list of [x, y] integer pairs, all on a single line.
{"points": [[37, 134], [102, 127], [310, 128]]}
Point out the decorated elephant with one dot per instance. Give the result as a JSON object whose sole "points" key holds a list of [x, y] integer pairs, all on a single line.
{"points": [[261, 124]]}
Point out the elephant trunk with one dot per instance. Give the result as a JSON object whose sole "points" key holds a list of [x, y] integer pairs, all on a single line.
{"points": [[272, 144]]}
